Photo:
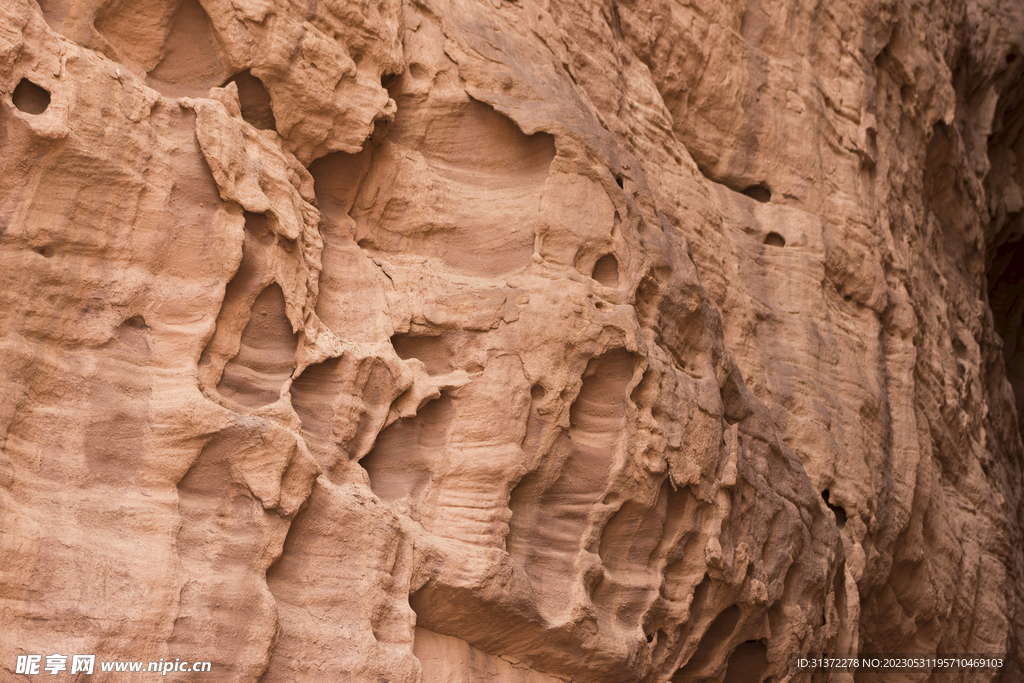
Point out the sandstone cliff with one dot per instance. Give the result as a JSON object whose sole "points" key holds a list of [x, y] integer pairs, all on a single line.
{"points": [[517, 340]]}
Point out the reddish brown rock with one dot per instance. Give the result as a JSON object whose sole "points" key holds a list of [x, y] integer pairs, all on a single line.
{"points": [[443, 340]]}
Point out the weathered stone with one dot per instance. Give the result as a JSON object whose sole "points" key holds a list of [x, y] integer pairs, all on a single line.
{"points": [[520, 340]]}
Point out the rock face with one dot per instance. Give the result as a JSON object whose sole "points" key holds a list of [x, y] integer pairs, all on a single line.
{"points": [[518, 340]]}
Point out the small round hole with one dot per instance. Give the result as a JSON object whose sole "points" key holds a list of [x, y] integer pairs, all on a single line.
{"points": [[774, 239], [30, 98], [847, 298], [759, 193], [537, 392], [45, 252]]}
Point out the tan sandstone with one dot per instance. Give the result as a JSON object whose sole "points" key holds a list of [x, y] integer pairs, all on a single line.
{"points": [[511, 340]]}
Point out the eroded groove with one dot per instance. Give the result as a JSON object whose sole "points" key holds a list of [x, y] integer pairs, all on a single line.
{"points": [[476, 215], [222, 611], [342, 404], [715, 640], [266, 355], [551, 510], [405, 453], [627, 544]]}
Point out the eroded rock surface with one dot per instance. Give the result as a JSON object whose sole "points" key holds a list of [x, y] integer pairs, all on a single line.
{"points": [[520, 340]]}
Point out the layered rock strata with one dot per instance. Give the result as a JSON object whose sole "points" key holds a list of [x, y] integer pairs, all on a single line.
{"points": [[520, 340]]}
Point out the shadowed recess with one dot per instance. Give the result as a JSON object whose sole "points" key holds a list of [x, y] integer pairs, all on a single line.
{"points": [[30, 98], [759, 193], [433, 352], [342, 403], [774, 239], [551, 509], [336, 180], [837, 510], [313, 395], [715, 639], [1006, 298], [254, 100], [606, 271], [266, 356], [748, 663], [402, 459], [627, 544]]}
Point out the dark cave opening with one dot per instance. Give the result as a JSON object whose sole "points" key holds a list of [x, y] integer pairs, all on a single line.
{"points": [[759, 193], [1005, 233], [1006, 299], [254, 101], [30, 98], [837, 510]]}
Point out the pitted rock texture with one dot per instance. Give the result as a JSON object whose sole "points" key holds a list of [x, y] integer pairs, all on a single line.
{"points": [[519, 340]]}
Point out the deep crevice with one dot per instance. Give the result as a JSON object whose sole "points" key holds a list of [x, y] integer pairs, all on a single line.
{"points": [[710, 649], [837, 510]]}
